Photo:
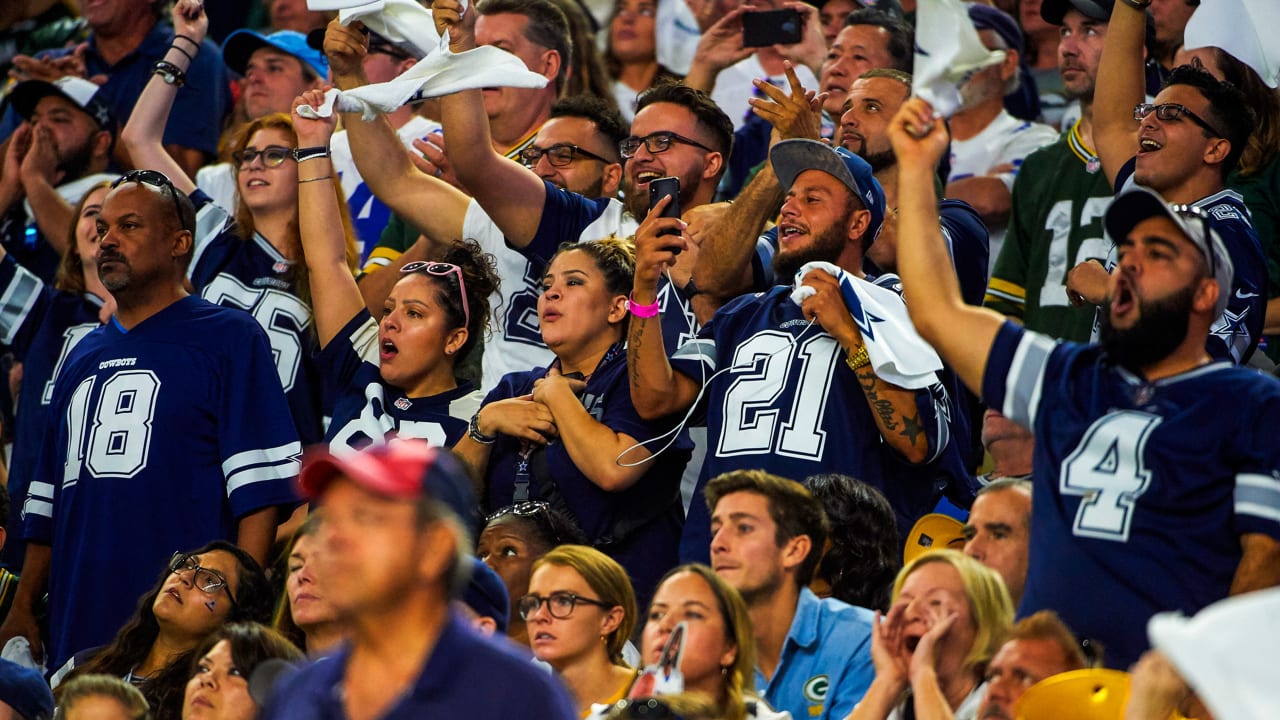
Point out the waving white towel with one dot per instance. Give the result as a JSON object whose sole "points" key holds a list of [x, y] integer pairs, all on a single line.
{"points": [[1243, 29], [440, 73], [404, 23], [897, 352], [948, 52]]}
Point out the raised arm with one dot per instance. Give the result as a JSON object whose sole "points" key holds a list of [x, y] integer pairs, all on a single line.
{"points": [[511, 195], [719, 47], [724, 260], [143, 136], [962, 334], [324, 242], [433, 206], [657, 389], [1121, 85]]}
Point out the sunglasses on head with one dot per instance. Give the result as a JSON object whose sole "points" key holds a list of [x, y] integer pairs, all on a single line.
{"points": [[441, 269], [156, 180]]}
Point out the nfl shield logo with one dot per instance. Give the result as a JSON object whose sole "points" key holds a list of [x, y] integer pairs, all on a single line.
{"points": [[280, 267], [402, 403]]}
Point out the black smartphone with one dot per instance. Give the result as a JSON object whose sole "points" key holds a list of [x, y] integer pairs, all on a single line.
{"points": [[664, 187], [771, 27]]}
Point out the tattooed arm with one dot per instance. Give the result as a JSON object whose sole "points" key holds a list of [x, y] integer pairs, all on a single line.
{"points": [[895, 410]]}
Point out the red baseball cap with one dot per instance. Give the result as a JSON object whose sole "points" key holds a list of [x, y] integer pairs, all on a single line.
{"points": [[401, 469]]}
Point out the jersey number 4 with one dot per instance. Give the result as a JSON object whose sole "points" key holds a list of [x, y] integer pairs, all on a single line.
{"points": [[751, 405], [119, 437], [1108, 472]]}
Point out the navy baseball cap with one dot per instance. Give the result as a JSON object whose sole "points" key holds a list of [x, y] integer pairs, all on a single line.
{"points": [[792, 157], [25, 690], [77, 91], [985, 17], [1139, 204], [1052, 11], [241, 44], [401, 470], [487, 595]]}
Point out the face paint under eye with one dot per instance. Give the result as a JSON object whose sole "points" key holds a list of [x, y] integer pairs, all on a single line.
{"points": [[211, 605]]}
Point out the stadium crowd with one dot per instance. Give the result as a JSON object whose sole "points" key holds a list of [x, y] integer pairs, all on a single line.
{"points": [[688, 359]]}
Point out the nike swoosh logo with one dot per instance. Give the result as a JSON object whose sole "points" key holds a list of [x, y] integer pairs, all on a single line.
{"points": [[1242, 295]]}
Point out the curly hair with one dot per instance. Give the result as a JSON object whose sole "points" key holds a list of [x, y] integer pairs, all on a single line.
{"points": [[133, 642], [865, 552], [245, 226], [480, 278]]}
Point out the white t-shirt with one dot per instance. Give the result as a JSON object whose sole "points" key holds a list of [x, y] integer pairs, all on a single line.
{"points": [[1006, 140]]}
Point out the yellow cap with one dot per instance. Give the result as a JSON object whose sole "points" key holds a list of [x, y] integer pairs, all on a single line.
{"points": [[1091, 694], [934, 531]]}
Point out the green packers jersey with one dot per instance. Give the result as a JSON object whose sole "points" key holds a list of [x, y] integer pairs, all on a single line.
{"points": [[1056, 222]]}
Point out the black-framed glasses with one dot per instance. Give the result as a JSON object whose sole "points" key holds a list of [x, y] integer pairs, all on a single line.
{"points": [[272, 155], [559, 155], [560, 604], [1168, 112], [440, 269], [205, 580], [155, 179], [655, 143], [1210, 254]]}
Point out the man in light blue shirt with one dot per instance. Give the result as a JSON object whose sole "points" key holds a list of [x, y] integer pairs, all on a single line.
{"points": [[813, 655]]}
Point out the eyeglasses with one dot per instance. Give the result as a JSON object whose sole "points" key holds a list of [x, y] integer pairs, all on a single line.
{"points": [[559, 155], [559, 604], [441, 269], [157, 180], [1210, 255], [388, 49], [272, 156], [1168, 112], [655, 143], [526, 509], [206, 580]]}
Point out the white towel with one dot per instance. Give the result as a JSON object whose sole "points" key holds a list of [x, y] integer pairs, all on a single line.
{"points": [[897, 352], [1238, 27], [948, 52], [440, 73]]}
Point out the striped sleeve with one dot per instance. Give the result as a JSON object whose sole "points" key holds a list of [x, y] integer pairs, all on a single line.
{"points": [[255, 466], [1015, 373], [1001, 293], [23, 291]]}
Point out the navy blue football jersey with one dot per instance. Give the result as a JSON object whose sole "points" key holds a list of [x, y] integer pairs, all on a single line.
{"points": [[517, 471], [40, 325], [252, 276], [786, 402], [367, 411], [165, 436], [1142, 489]]}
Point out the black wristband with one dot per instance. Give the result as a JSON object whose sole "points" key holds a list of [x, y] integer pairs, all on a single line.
{"points": [[190, 57], [310, 153], [194, 44], [170, 73]]}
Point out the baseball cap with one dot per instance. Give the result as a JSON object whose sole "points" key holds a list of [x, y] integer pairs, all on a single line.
{"points": [[487, 595], [1138, 204], [985, 17], [1224, 653], [934, 531], [1090, 694], [78, 91], [241, 44], [792, 157], [1052, 11], [25, 690], [401, 470]]}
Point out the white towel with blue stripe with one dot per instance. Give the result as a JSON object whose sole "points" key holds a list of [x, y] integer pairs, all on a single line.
{"points": [[897, 352]]}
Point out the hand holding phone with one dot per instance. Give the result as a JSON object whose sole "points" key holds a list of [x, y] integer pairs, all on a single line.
{"points": [[772, 27], [666, 187]]}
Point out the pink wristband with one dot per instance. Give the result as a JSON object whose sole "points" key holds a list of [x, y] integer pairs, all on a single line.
{"points": [[641, 311]]}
